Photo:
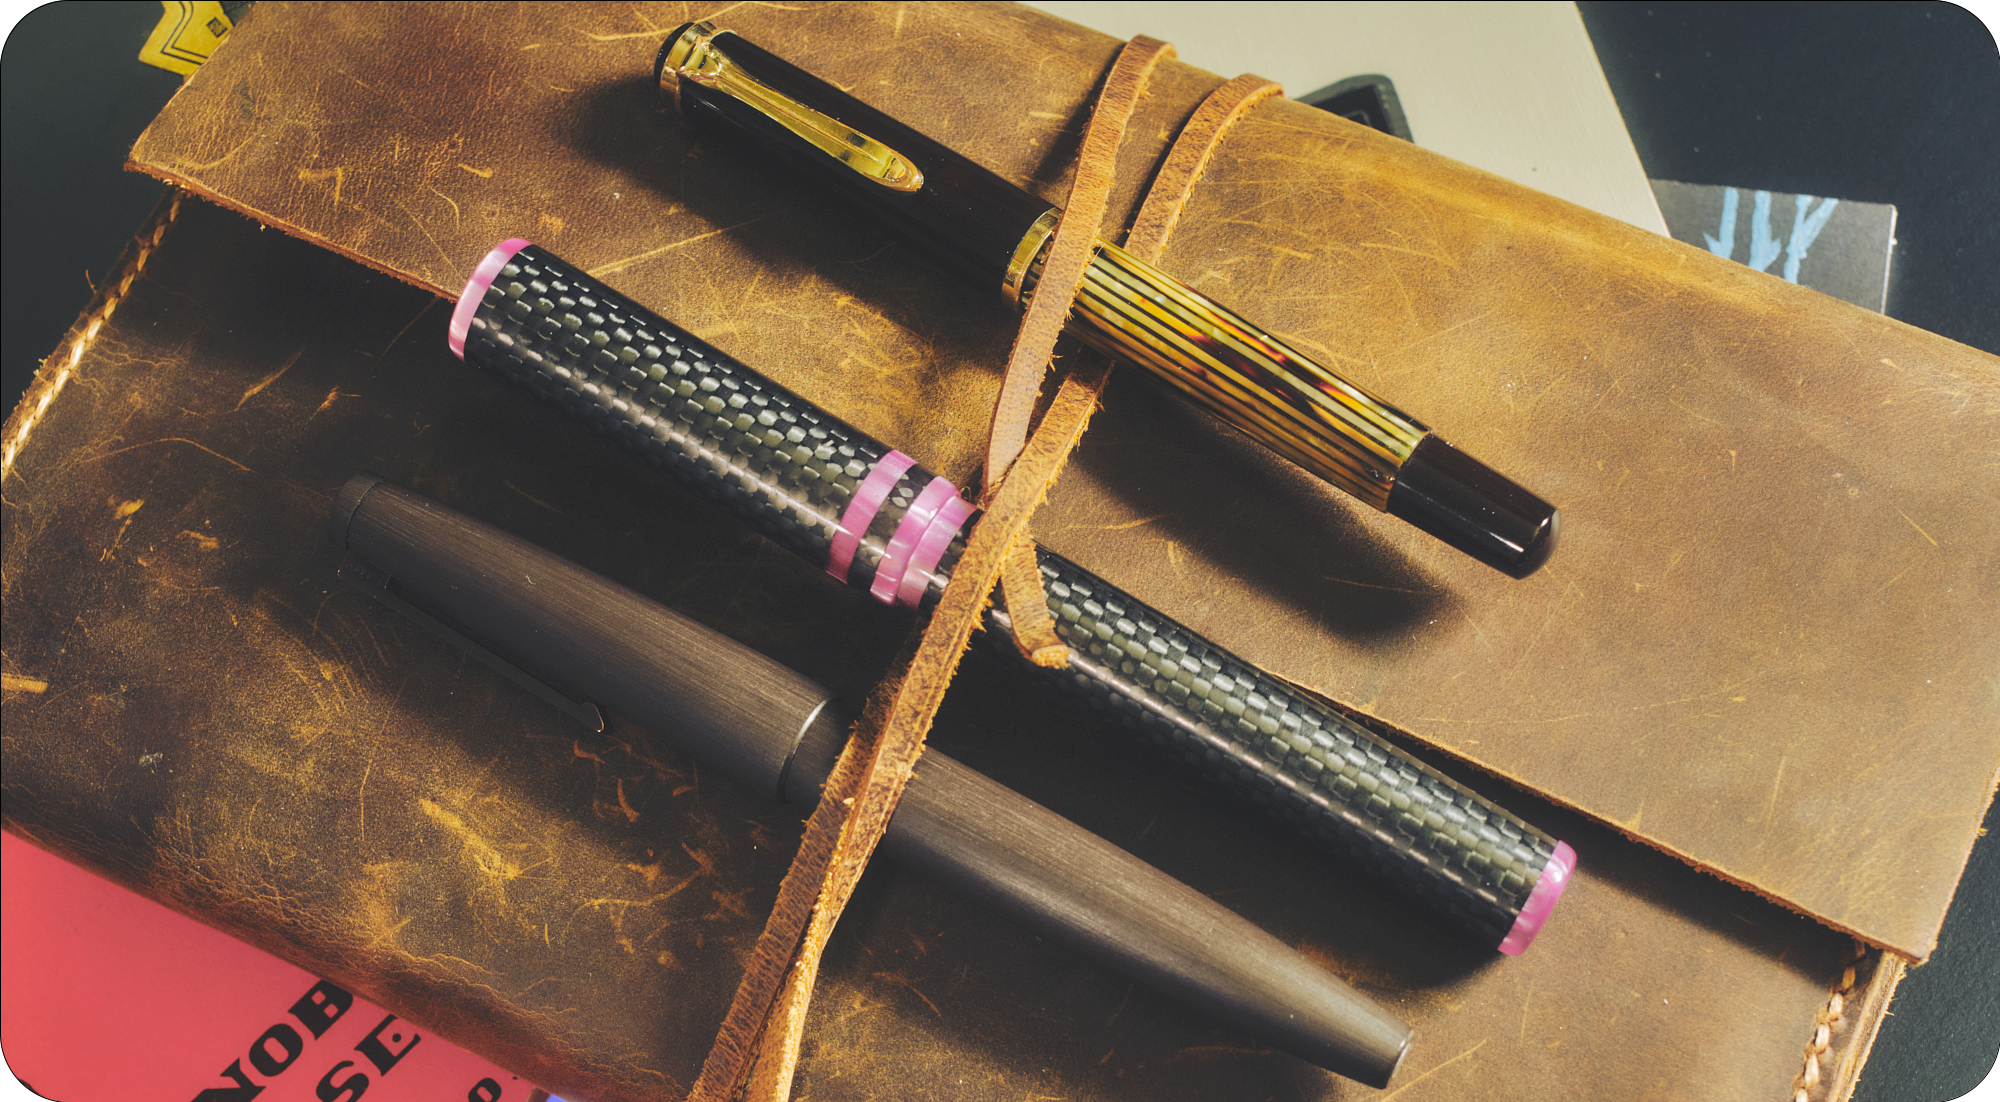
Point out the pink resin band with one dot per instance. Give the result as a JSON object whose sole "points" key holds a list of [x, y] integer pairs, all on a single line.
{"points": [[1541, 901], [896, 558], [475, 290], [923, 561], [861, 510]]}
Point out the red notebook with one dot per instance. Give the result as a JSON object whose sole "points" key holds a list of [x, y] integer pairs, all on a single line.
{"points": [[109, 997]]}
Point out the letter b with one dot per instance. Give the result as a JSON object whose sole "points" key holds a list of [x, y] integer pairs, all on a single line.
{"points": [[321, 1007]]}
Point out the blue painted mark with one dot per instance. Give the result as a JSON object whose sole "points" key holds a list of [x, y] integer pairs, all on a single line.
{"points": [[1805, 229], [1807, 222], [1763, 247], [1726, 244]]}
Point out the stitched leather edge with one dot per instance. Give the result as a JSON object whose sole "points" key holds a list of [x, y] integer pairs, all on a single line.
{"points": [[1844, 1027], [42, 394]]}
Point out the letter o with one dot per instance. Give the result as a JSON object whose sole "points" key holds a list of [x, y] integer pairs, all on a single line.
{"points": [[287, 1039]]}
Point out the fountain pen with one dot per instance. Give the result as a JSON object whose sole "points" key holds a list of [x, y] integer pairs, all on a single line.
{"points": [[577, 635], [997, 235], [877, 521]]}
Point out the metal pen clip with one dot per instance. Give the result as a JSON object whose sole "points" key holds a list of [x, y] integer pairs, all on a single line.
{"points": [[362, 575], [694, 56]]}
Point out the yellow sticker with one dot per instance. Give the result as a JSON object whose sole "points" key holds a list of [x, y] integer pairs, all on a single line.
{"points": [[188, 32]]}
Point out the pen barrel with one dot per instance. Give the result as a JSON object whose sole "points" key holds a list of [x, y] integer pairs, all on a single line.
{"points": [[1296, 759], [963, 215], [1134, 312], [793, 472], [766, 726]]}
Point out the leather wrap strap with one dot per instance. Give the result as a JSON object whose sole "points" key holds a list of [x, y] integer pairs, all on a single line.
{"points": [[1070, 250], [761, 1034]]}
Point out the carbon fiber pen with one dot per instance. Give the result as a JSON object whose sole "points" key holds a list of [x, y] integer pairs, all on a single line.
{"points": [[996, 234], [883, 524]]}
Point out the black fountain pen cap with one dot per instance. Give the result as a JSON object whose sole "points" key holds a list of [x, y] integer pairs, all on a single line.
{"points": [[1474, 508]]}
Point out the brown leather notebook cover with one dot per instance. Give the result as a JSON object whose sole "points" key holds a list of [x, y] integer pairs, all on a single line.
{"points": [[1779, 523], [574, 907], [198, 708]]}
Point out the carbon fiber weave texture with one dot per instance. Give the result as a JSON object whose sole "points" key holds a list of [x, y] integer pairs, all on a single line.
{"points": [[790, 470]]}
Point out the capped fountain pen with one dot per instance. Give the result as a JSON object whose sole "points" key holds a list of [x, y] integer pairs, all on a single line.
{"points": [[997, 235], [579, 636], [879, 522]]}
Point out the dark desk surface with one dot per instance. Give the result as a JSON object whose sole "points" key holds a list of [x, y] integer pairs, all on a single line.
{"points": [[1888, 103]]}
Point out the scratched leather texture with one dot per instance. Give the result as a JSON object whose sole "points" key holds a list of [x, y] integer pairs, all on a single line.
{"points": [[1771, 629], [227, 728]]}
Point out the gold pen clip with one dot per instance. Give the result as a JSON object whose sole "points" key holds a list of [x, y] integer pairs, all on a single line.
{"points": [[694, 56]]}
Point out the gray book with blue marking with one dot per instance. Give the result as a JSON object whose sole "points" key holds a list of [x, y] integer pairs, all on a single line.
{"points": [[1838, 247]]}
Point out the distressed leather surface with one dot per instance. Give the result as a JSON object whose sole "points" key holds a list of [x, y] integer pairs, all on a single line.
{"points": [[225, 727], [1771, 629]]}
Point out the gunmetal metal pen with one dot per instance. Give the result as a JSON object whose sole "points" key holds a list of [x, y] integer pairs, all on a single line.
{"points": [[580, 636], [996, 234], [880, 523]]}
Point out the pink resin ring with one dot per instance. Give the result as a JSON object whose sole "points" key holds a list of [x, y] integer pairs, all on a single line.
{"points": [[861, 510], [923, 561], [1541, 901], [896, 558], [475, 290]]}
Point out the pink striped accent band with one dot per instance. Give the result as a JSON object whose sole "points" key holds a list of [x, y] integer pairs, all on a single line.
{"points": [[896, 558], [923, 561], [475, 290], [861, 510], [1541, 901]]}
